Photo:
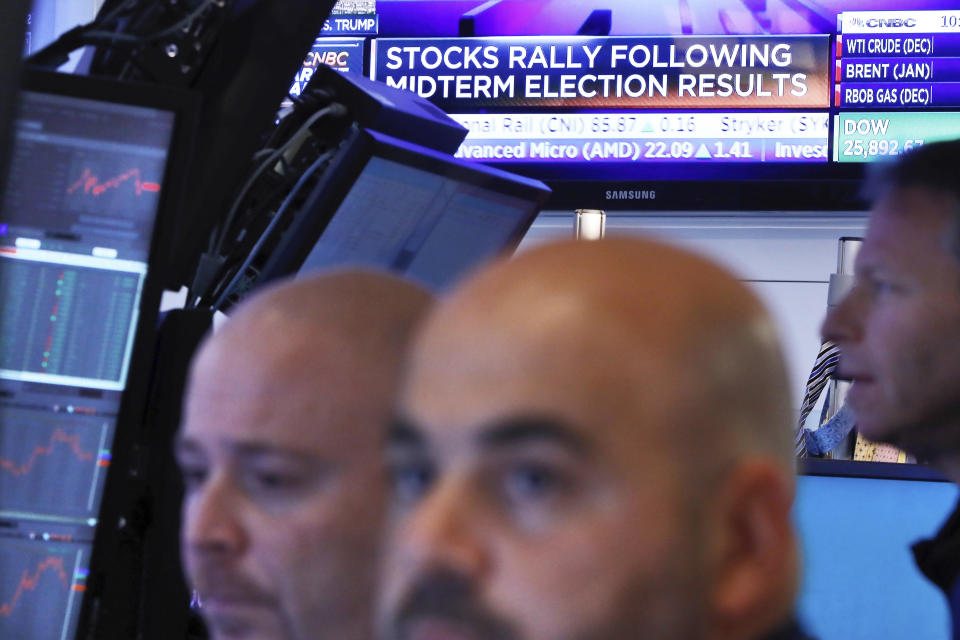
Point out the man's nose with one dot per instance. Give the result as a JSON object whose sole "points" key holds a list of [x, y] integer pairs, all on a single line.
{"points": [[211, 519], [443, 533], [843, 323]]}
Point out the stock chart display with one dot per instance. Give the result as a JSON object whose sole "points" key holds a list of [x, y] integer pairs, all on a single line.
{"points": [[115, 185], [49, 310], [93, 180], [76, 225], [53, 464], [40, 588]]}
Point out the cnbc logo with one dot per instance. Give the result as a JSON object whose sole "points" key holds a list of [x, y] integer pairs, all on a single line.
{"points": [[883, 23]]}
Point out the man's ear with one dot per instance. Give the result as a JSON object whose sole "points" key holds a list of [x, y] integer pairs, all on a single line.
{"points": [[754, 554]]}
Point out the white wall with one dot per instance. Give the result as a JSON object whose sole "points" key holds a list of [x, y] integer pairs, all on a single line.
{"points": [[786, 257]]}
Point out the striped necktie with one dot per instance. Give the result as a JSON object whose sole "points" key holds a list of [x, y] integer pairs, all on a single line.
{"points": [[823, 368]]}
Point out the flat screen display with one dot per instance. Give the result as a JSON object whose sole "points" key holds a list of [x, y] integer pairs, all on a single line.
{"points": [[76, 226], [424, 224], [634, 95]]}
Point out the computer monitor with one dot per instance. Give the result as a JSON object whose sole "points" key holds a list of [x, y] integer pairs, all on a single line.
{"points": [[96, 166], [425, 216], [384, 202], [860, 581]]}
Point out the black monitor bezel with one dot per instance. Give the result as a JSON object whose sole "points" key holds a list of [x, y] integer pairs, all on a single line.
{"points": [[868, 469], [12, 33], [108, 584]]}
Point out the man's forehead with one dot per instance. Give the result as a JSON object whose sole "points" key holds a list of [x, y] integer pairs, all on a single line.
{"points": [[499, 433], [230, 421], [189, 443], [905, 226], [286, 414], [464, 410], [610, 390]]}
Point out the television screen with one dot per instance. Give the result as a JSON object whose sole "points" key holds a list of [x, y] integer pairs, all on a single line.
{"points": [[617, 103]]}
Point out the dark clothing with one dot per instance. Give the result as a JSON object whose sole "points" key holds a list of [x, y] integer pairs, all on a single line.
{"points": [[939, 560], [790, 631]]}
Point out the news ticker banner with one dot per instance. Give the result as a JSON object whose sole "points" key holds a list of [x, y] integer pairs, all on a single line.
{"points": [[904, 59], [871, 136], [743, 72], [644, 136], [343, 54], [352, 18]]}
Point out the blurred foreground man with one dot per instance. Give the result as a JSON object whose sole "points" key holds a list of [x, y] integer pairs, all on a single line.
{"points": [[899, 330], [281, 449], [593, 442]]}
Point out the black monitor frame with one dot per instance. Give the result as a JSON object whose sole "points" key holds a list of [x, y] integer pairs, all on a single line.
{"points": [[110, 604], [791, 187], [868, 469], [12, 31]]}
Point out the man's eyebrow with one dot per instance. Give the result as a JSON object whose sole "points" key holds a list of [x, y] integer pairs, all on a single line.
{"points": [[523, 430], [189, 448], [403, 432], [255, 449], [186, 446]]}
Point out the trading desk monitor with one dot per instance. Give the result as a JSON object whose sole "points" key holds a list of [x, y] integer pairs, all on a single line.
{"points": [[89, 175], [388, 203], [426, 216]]}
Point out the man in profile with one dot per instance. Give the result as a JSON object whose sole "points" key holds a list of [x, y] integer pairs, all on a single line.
{"points": [[898, 330], [593, 442], [280, 449]]}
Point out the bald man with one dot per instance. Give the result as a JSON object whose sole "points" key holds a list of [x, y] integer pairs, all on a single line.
{"points": [[280, 449], [593, 443]]}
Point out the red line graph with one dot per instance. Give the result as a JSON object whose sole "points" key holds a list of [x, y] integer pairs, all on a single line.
{"points": [[92, 185], [29, 582], [59, 436]]}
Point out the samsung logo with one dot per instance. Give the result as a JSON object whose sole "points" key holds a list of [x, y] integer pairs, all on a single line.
{"points": [[630, 194]]}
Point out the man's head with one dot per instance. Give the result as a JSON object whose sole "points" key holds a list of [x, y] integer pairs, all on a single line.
{"points": [[280, 448], [592, 443], [899, 327]]}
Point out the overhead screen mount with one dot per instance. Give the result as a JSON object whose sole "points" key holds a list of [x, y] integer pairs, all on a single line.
{"points": [[238, 54], [327, 164], [296, 153], [163, 42]]}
